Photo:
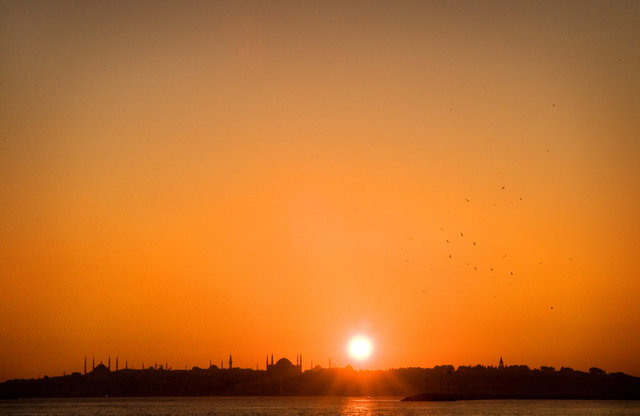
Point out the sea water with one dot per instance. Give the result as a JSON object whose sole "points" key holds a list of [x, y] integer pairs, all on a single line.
{"points": [[310, 406]]}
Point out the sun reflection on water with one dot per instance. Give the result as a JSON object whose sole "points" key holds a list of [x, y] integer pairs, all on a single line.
{"points": [[359, 407]]}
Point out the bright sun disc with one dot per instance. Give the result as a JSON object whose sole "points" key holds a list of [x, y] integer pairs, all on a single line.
{"points": [[360, 347]]}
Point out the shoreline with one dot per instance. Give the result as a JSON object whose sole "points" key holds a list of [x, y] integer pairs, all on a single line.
{"points": [[429, 397]]}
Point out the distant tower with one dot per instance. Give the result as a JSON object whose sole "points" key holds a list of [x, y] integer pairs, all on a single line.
{"points": [[501, 365], [93, 363], [267, 363], [271, 359], [230, 362], [109, 363], [166, 365], [126, 365], [85, 364]]}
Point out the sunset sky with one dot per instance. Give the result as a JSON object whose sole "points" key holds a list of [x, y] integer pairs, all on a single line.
{"points": [[457, 181]]}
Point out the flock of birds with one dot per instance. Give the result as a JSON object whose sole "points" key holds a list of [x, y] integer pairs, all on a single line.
{"points": [[475, 267], [491, 268]]}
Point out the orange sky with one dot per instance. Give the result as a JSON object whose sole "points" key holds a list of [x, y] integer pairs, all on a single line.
{"points": [[181, 181]]}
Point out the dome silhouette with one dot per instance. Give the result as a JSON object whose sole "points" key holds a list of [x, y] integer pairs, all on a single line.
{"points": [[283, 363]]}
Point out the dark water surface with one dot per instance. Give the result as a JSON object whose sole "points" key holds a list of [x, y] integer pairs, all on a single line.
{"points": [[310, 406]]}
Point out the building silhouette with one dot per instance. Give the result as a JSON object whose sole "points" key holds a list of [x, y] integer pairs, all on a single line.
{"points": [[284, 367]]}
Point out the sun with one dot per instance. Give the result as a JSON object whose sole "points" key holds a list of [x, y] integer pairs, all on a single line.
{"points": [[360, 347]]}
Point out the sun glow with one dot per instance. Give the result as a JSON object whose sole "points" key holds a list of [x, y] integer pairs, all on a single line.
{"points": [[360, 347]]}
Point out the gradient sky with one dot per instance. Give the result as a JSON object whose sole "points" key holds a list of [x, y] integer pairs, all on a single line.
{"points": [[184, 180]]}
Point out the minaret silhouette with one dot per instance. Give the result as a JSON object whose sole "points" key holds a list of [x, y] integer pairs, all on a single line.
{"points": [[230, 362], [93, 363], [109, 363], [271, 359], [126, 365], [501, 365]]}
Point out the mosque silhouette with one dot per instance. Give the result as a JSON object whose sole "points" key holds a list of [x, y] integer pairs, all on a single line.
{"points": [[284, 367]]}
